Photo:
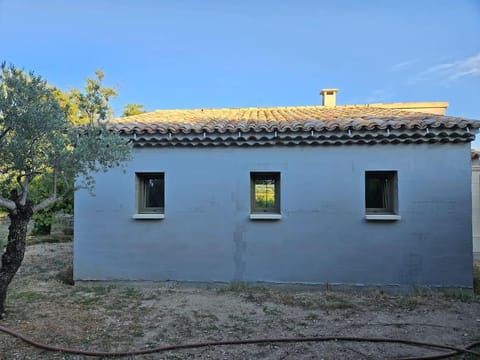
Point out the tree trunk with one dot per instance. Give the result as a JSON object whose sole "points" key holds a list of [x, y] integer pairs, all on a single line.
{"points": [[13, 255]]}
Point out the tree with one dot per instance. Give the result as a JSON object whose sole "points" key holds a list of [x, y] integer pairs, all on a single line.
{"points": [[38, 141], [83, 108], [133, 109]]}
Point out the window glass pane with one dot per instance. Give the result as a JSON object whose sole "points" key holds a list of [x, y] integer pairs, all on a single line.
{"points": [[154, 192], [265, 193], [375, 192]]}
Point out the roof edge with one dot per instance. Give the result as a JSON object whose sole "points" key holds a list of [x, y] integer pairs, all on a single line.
{"points": [[398, 105]]}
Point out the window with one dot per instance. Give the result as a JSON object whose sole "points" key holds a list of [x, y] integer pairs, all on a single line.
{"points": [[265, 192], [381, 192], [150, 193]]}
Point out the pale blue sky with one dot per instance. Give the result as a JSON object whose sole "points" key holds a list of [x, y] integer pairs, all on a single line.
{"points": [[218, 53]]}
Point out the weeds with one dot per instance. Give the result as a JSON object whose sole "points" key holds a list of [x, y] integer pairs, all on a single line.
{"points": [[90, 295], [459, 295], [131, 293], [312, 301], [408, 303], [26, 296], [476, 279], [66, 275]]}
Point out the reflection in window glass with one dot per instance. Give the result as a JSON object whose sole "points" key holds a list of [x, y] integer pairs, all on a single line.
{"points": [[150, 193], [265, 193], [154, 192]]}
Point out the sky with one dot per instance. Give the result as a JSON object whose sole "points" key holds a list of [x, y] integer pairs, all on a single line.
{"points": [[246, 53]]}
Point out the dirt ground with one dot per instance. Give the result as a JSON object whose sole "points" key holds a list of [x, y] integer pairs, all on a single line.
{"points": [[124, 316]]}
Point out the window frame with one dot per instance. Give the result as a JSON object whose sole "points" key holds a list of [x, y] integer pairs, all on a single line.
{"points": [[392, 206], [141, 181], [262, 175]]}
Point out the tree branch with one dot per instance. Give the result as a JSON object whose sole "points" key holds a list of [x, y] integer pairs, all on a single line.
{"points": [[52, 199], [7, 204], [47, 202], [24, 188], [4, 132]]}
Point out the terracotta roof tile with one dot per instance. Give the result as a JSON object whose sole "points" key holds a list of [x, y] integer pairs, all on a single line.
{"points": [[324, 121]]}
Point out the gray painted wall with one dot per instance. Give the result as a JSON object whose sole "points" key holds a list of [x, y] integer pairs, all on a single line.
{"points": [[323, 237], [476, 205]]}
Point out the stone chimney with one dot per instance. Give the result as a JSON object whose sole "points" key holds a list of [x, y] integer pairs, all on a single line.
{"points": [[329, 97]]}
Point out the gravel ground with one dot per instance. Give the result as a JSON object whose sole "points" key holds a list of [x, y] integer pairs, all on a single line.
{"points": [[124, 316]]}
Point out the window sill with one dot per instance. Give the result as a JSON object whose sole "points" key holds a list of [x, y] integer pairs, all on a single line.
{"points": [[265, 216], [148, 216], [383, 217]]}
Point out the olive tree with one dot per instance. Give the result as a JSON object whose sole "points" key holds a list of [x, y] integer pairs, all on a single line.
{"points": [[38, 141]]}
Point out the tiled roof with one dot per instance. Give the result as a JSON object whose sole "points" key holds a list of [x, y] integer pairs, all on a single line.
{"points": [[292, 125]]}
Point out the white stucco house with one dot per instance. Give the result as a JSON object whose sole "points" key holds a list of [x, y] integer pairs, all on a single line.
{"points": [[376, 194]]}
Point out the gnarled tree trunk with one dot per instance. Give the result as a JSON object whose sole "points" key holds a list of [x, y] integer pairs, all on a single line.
{"points": [[13, 255]]}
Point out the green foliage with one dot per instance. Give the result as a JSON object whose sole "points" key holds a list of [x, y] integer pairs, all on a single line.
{"points": [[90, 105], [29, 115], [3, 230], [41, 151], [43, 222], [476, 279], [133, 109], [459, 295]]}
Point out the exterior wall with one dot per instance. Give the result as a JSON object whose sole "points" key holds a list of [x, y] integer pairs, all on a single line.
{"points": [[476, 205], [323, 236], [437, 108]]}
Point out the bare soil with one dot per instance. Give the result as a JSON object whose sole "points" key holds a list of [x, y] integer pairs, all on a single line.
{"points": [[126, 316]]}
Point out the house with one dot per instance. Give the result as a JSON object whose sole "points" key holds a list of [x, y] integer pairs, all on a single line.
{"points": [[376, 194]]}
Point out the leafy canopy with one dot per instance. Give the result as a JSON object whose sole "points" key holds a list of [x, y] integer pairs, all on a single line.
{"points": [[38, 141], [133, 109]]}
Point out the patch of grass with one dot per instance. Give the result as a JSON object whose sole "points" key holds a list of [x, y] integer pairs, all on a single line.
{"points": [[90, 295], [48, 239], [408, 303], [261, 295], [459, 295], [423, 291], [476, 279], [26, 296], [131, 293], [236, 287], [338, 305], [270, 310]]}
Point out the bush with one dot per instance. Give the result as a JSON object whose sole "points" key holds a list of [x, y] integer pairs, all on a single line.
{"points": [[42, 223], [40, 188]]}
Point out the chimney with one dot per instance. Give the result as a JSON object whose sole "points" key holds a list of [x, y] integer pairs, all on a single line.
{"points": [[329, 97]]}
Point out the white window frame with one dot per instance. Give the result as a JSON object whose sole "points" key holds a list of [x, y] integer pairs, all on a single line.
{"points": [[143, 211], [390, 195], [257, 213]]}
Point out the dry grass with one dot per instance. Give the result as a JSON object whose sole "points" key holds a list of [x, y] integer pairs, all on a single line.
{"points": [[121, 316]]}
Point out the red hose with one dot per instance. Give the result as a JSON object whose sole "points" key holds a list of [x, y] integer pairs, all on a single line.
{"points": [[454, 350]]}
